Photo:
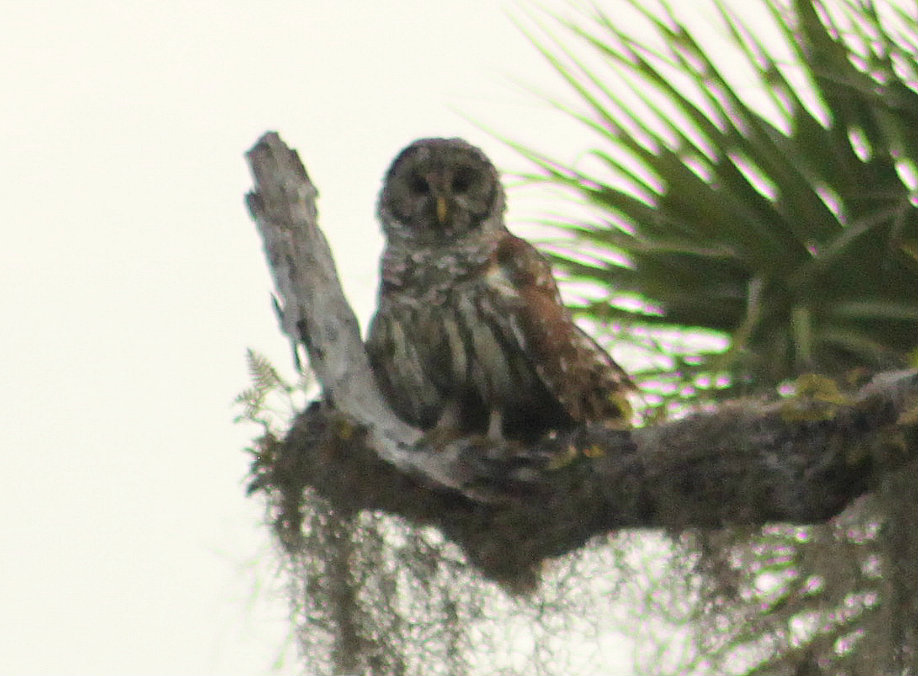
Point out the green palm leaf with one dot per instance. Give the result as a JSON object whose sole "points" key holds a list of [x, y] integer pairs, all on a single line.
{"points": [[794, 235]]}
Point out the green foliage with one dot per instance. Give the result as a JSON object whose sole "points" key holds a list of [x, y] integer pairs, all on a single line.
{"points": [[792, 234], [270, 401], [777, 211]]}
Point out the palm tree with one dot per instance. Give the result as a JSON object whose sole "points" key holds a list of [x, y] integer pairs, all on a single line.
{"points": [[788, 227], [794, 233]]}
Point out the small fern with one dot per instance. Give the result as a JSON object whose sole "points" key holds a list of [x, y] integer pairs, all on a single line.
{"points": [[271, 402]]}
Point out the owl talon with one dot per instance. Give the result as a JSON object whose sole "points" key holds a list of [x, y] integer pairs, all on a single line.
{"points": [[496, 427], [439, 437], [563, 459]]}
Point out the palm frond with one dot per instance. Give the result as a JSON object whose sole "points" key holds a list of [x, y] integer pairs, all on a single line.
{"points": [[793, 233]]}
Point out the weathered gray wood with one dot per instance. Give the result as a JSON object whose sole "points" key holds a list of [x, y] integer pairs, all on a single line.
{"points": [[509, 506], [315, 312]]}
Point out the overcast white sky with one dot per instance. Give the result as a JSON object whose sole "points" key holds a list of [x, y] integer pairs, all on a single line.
{"points": [[131, 282]]}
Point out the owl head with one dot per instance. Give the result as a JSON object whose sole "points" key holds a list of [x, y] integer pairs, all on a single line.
{"points": [[438, 190]]}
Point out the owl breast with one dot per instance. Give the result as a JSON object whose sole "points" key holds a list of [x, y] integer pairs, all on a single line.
{"points": [[455, 348]]}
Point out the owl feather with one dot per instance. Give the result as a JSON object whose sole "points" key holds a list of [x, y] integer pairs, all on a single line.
{"points": [[470, 334]]}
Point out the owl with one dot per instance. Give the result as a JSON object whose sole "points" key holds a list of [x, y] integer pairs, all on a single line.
{"points": [[470, 335]]}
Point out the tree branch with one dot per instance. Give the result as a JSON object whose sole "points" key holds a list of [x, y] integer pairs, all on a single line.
{"points": [[511, 506], [315, 312]]}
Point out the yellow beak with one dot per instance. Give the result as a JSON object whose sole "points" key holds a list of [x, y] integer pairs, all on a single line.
{"points": [[441, 210]]}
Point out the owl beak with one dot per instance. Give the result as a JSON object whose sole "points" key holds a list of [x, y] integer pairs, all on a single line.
{"points": [[442, 210]]}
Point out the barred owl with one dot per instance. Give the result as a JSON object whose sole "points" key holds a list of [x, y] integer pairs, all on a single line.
{"points": [[470, 335]]}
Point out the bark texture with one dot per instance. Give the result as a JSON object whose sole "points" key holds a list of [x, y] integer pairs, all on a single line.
{"points": [[508, 506]]}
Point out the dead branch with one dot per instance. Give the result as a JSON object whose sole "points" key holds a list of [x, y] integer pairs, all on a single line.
{"points": [[509, 506]]}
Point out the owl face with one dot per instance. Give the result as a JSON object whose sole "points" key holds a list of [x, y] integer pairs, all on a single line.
{"points": [[439, 190]]}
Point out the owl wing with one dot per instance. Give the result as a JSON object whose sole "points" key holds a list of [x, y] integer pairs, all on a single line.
{"points": [[584, 379], [399, 366]]}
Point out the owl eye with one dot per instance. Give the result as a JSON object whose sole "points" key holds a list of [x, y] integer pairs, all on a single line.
{"points": [[462, 181], [418, 184]]}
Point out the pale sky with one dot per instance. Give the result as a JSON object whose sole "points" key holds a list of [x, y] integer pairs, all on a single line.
{"points": [[133, 280]]}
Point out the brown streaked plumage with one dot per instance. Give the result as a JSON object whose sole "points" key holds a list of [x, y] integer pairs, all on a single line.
{"points": [[470, 334]]}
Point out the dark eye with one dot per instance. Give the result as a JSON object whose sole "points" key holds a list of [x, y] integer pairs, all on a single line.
{"points": [[462, 181], [418, 184]]}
